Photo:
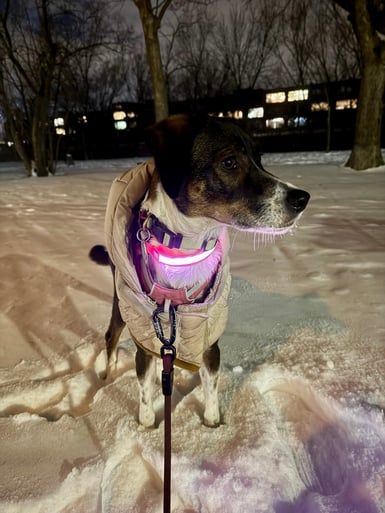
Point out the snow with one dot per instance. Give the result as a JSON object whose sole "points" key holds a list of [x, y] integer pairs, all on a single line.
{"points": [[302, 387]]}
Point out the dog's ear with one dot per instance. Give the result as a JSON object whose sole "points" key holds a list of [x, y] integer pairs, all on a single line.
{"points": [[170, 142]]}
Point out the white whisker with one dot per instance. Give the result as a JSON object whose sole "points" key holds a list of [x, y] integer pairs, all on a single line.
{"points": [[234, 236]]}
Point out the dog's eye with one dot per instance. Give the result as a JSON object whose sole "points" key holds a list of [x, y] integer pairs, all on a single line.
{"points": [[230, 163]]}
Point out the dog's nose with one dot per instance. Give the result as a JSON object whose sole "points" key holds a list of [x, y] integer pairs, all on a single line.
{"points": [[296, 200]]}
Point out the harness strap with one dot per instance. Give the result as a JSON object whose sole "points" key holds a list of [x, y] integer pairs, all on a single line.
{"points": [[168, 238]]}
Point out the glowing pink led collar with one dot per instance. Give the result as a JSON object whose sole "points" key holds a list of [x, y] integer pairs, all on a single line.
{"points": [[177, 258]]}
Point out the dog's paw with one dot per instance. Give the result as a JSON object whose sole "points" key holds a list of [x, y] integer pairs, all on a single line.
{"points": [[211, 418], [146, 416], [211, 424], [101, 366]]}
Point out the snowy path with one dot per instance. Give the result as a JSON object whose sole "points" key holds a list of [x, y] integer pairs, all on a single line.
{"points": [[302, 388]]}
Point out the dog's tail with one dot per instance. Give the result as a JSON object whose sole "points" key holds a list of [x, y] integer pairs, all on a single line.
{"points": [[99, 254]]}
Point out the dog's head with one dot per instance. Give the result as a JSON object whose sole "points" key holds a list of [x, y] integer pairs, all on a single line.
{"points": [[210, 168]]}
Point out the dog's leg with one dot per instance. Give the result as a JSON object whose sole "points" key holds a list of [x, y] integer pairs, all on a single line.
{"points": [[114, 331], [209, 373], [146, 373]]}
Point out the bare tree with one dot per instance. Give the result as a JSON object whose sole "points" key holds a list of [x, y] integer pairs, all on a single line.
{"points": [[193, 69], [245, 40], [29, 55], [334, 53], [38, 39], [294, 42], [94, 79], [151, 14], [368, 20], [138, 87]]}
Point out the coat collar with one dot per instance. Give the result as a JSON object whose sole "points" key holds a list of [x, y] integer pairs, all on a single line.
{"points": [[150, 226]]}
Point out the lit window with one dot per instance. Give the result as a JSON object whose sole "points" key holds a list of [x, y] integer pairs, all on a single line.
{"points": [[58, 121], [346, 104], [120, 125], [297, 122], [131, 115], [279, 97], [319, 106], [255, 112], [119, 115], [60, 131], [298, 95], [275, 123], [236, 114]]}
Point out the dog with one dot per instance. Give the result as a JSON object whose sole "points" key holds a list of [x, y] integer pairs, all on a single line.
{"points": [[166, 236]]}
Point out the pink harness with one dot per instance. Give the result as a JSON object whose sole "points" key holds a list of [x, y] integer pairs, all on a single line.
{"points": [[153, 289]]}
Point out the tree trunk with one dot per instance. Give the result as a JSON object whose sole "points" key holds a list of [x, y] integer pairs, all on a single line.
{"points": [[329, 124], [40, 130], [17, 137], [40, 133], [366, 151], [151, 25], [158, 80], [20, 145]]}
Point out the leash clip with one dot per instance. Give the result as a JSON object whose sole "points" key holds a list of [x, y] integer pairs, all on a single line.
{"points": [[167, 351], [157, 323]]}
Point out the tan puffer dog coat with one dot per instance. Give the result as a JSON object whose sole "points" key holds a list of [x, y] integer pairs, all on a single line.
{"points": [[199, 325]]}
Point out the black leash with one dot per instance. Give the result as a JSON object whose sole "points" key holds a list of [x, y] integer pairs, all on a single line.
{"points": [[168, 354]]}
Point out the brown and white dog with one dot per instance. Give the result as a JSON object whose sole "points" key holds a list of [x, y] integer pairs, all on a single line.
{"points": [[205, 177]]}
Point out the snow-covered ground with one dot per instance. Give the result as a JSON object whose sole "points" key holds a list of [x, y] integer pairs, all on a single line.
{"points": [[302, 388]]}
